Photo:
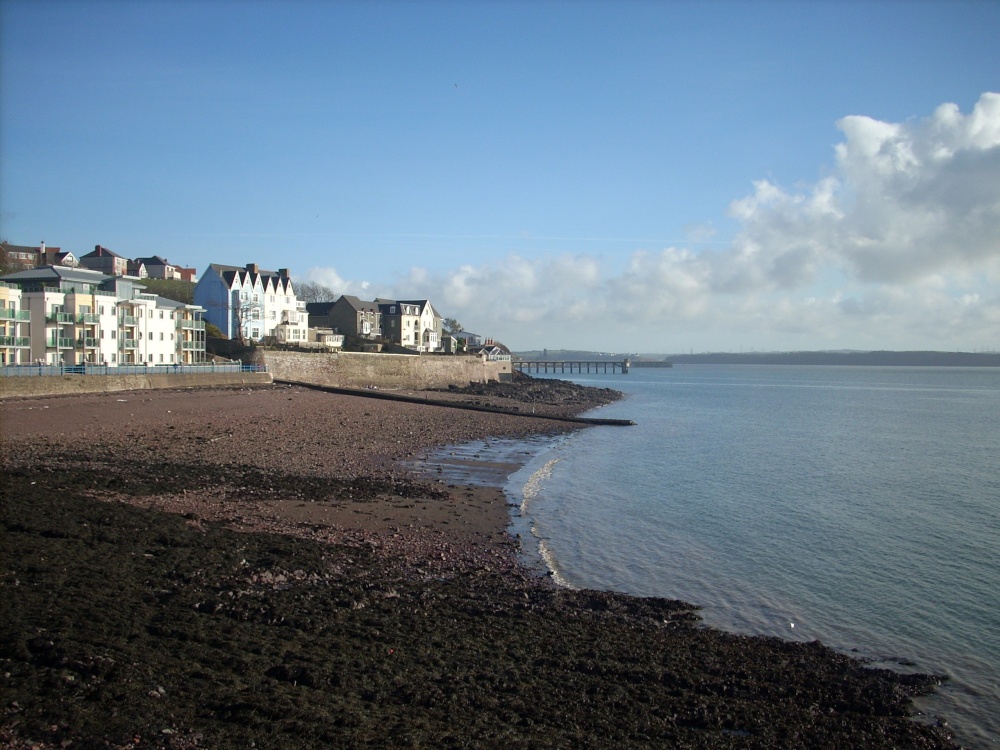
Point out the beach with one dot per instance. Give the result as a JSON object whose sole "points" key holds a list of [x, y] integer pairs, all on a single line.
{"points": [[258, 567]]}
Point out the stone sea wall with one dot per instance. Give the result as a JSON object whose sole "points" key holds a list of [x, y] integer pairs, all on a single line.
{"points": [[20, 387], [358, 370]]}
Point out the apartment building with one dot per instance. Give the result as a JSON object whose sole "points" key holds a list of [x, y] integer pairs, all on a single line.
{"points": [[79, 316]]}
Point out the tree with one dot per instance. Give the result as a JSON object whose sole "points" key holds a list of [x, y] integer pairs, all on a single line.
{"points": [[5, 265], [310, 292], [451, 326]]}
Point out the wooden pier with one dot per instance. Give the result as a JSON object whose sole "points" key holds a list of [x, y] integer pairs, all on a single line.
{"points": [[571, 366]]}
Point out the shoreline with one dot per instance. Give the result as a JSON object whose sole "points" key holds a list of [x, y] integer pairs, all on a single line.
{"points": [[306, 589]]}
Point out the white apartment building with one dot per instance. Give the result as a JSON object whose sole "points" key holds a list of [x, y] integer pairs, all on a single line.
{"points": [[78, 316]]}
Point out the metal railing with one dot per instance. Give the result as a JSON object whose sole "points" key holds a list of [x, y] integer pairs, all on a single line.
{"points": [[21, 371], [8, 314]]}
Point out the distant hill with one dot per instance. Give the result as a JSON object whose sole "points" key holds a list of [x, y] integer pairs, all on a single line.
{"points": [[871, 359], [857, 358]]}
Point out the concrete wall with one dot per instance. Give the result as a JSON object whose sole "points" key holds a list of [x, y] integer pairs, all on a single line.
{"points": [[66, 384], [357, 370]]}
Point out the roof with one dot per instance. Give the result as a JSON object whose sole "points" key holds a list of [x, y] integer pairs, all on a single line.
{"points": [[319, 308], [229, 274], [101, 252], [57, 273], [154, 260], [358, 304], [422, 303]]}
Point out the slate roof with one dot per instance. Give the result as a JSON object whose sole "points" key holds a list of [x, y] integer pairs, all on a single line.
{"points": [[101, 252], [57, 273], [230, 273], [154, 260]]}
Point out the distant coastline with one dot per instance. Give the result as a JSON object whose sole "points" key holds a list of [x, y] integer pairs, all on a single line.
{"points": [[871, 359], [856, 358]]}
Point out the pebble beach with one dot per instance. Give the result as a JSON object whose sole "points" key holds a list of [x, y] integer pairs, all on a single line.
{"points": [[257, 567]]}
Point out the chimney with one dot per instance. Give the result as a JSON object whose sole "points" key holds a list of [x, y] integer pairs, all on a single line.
{"points": [[283, 273], [253, 268]]}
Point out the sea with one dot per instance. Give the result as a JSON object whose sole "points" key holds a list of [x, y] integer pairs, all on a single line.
{"points": [[859, 506]]}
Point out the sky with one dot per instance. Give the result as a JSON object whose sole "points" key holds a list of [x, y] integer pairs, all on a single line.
{"points": [[610, 176]]}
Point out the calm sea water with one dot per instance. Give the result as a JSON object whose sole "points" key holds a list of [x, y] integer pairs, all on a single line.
{"points": [[857, 506]]}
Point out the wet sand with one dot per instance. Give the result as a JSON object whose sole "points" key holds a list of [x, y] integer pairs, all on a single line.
{"points": [[214, 568]]}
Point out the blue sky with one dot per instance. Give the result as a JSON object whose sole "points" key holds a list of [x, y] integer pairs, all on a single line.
{"points": [[629, 176]]}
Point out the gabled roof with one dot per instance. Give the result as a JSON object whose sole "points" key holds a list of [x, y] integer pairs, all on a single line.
{"points": [[154, 260], [101, 252], [421, 303], [358, 304], [230, 274]]}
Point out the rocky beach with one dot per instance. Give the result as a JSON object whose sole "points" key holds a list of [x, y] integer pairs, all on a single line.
{"points": [[258, 567]]}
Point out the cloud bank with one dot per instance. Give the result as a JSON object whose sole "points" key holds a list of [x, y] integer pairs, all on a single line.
{"points": [[897, 247]]}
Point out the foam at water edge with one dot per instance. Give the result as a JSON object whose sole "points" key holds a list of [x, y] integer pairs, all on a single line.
{"points": [[534, 484], [546, 556]]}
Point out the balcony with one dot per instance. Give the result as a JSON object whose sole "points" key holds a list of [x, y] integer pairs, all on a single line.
{"points": [[89, 318], [61, 317], [189, 345], [194, 325], [15, 341], [130, 343], [130, 320], [87, 343], [8, 314], [57, 342]]}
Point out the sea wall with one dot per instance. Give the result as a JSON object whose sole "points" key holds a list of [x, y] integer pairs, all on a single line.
{"points": [[55, 385], [358, 370]]}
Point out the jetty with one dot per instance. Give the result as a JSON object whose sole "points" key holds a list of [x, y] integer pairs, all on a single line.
{"points": [[571, 365]]}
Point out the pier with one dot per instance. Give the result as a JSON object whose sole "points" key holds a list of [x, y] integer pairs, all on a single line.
{"points": [[571, 365]]}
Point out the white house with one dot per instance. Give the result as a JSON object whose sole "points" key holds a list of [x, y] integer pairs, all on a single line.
{"points": [[252, 304]]}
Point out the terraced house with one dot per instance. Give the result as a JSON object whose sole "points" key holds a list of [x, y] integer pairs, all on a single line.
{"points": [[77, 316], [252, 304]]}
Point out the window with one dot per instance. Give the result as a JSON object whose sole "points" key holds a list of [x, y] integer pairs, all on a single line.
{"points": [[161, 357], [114, 333], [113, 355], [392, 310], [150, 357], [161, 335], [161, 314], [151, 338], [102, 309]]}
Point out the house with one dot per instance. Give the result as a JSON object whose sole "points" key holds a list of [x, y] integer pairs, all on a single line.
{"points": [[25, 257], [78, 316], [414, 324], [468, 340], [251, 303], [105, 261], [349, 316], [159, 268]]}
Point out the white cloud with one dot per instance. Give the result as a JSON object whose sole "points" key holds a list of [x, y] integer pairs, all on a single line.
{"points": [[898, 247]]}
